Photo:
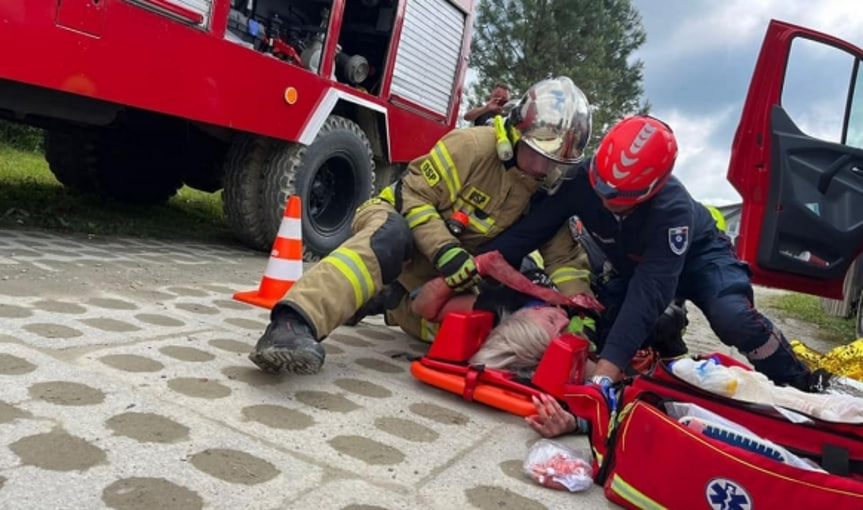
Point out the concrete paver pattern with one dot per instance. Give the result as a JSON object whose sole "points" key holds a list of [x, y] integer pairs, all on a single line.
{"points": [[125, 384]]}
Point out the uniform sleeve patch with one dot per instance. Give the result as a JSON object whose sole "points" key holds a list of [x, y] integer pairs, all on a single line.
{"points": [[678, 239], [431, 175]]}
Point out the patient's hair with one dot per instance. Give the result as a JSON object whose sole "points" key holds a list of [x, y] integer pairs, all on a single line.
{"points": [[516, 344]]}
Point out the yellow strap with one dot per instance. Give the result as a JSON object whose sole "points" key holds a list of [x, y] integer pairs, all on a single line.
{"points": [[349, 263], [420, 214]]}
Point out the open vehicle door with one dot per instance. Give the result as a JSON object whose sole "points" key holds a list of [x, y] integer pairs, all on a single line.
{"points": [[798, 164]]}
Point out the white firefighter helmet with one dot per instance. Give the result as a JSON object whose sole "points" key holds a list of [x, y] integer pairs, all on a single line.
{"points": [[554, 119]]}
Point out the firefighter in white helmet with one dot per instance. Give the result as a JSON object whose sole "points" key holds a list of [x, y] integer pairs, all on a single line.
{"points": [[484, 175]]}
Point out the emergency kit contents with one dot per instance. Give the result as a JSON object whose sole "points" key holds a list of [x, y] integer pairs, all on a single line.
{"points": [[746, 447], [714, 426], [752, 386], [557, 466]]}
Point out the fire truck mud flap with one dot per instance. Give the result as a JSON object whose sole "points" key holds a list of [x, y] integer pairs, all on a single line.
{"points": [[333, 176]]}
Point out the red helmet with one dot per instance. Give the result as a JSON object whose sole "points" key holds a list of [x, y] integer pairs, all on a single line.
{"points": [[634, 160]]}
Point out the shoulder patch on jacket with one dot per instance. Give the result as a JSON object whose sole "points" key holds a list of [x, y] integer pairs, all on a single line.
{"points": [[431, 175], [678, 239]]}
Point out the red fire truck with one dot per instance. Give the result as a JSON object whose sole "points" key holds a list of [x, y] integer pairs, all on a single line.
{"points": [[797, 161], [260, 98]]}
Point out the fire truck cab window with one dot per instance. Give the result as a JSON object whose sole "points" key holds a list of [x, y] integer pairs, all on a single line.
{"points": [[817, 92], [296, 32]]}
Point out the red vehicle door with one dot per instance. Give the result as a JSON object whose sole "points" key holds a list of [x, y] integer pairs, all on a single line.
{"points": [[798, 164]]}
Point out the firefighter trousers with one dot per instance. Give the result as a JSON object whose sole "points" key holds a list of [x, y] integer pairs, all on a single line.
{"points": [[379, 252]]}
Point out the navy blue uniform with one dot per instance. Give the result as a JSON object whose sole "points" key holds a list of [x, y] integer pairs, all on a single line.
{"points": [[668, 247]]}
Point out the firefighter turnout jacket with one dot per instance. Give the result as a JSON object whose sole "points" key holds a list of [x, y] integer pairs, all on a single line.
{"points": [[398, 233]]}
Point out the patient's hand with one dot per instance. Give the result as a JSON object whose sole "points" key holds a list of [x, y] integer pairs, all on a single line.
{"points": [[550, 419]]}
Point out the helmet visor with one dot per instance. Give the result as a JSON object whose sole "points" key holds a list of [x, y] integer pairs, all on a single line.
{"points": [[535, 163], [608, 192]]}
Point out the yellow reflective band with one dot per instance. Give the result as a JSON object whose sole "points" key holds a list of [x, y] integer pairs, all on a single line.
{"points": [[717, 217], [389, 195], [349, 263], [447, 169], [419, 215], [633, 495], [481, 226], [537, 258], [428, 330], [566, 274]]}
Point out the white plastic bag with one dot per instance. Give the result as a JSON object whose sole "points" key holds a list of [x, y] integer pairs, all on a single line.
{"points": [[556, 466]]}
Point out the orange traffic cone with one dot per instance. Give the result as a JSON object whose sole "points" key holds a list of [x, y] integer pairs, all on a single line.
{"points": [[286, 260]]}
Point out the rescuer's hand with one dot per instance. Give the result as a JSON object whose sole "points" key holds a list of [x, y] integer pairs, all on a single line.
{"points": [[457, 267]]}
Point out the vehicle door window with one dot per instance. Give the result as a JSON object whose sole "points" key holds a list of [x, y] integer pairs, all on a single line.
{"points": [[854, 135], [819, 87]]}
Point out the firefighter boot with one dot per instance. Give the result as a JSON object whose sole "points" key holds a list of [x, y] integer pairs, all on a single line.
{"points": [[288, 345]]}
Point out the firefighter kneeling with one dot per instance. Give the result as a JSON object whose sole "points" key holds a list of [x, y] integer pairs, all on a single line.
{"points": [[401, 239]]}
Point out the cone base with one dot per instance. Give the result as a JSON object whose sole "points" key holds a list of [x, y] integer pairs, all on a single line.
{"points": [[264, 300]]}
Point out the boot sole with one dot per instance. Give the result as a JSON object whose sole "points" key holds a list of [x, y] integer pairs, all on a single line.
{"points": [[276, 361]]}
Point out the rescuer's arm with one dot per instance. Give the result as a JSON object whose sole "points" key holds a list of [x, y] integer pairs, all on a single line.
{"points": [[651, 288], [432, 184], [566, 263]]}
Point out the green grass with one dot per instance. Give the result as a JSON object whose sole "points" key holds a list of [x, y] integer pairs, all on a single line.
{"points": [[807, 309], [30, 197]]}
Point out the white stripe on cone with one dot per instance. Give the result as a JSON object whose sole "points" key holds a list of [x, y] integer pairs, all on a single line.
{"points": [[282, 269], [291, 228]]}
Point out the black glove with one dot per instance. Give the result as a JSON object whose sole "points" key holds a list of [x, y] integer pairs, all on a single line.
{"points": [[539, 277], [457, 267], [667, 334]]}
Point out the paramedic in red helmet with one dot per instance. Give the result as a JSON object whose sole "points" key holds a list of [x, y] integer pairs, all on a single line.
{"points": [[663, 245]]}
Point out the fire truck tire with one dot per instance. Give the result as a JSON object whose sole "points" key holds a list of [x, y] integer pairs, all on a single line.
{"points": [[241, 196], [71, 156], [139, 168], [333, 176]]}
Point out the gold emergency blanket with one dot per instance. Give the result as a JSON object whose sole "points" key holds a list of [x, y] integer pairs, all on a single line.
{"points": [[845, 360]]}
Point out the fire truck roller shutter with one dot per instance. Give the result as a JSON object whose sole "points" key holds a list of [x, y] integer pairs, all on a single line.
{"points": [[333, 175]]}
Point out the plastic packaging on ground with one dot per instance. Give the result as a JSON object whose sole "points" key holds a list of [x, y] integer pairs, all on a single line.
{"points": [[556, 466]]}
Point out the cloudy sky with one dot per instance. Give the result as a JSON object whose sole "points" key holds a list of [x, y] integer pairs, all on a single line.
{"points": [[698, 60]]}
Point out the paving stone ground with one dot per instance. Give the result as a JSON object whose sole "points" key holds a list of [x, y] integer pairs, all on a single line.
{"points": [[124, 384]]}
